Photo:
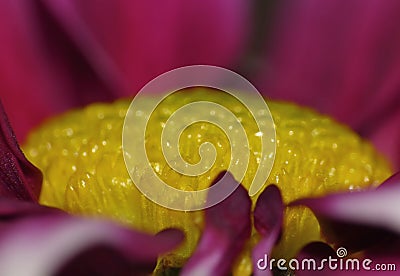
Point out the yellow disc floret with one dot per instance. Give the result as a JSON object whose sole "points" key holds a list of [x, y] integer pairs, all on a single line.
{"points": [[81, 156]]}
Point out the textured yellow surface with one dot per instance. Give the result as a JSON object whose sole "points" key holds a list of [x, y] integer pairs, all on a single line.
{"points": [[80, 154]]}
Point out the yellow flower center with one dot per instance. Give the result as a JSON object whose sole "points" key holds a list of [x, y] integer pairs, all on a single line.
{"points": [[80, 154]]}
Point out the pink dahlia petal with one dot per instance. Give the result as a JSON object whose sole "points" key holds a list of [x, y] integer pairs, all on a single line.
{"points": [[61, 54], [101, 79], [355, 235], [37, 78], [227, 227], [375, 208], [134, 40], [360, 231], [25, 83], [386, 136], [268, 218], [18, 177], [61, 244], [342, 58]]}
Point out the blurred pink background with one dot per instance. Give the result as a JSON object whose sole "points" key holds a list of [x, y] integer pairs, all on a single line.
{"points": [[341, 57]]}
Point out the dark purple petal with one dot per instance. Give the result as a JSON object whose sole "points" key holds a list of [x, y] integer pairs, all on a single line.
{"points": [[268, 218], [386, 253], [58, 244], [354, 236], [383, 260], [18, 177], [227, 228], [315, 251]]}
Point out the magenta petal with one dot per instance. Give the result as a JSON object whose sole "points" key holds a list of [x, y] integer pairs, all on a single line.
{"points": [[56, 244], [342, 58], [268, 218], [62, 54], [103, 80], [227, 228], [12, 209], [133, 38], [386, 136], [376, 208], [18, 177]]}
